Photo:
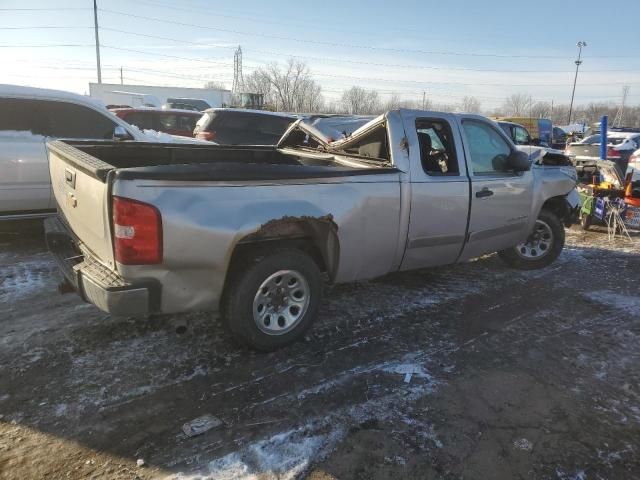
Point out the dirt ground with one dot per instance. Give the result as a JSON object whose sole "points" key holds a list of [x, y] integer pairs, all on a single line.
{"points": [[473, 371]]}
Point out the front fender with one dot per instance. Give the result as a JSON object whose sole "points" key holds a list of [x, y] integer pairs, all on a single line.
{"points": [[574, 202]]}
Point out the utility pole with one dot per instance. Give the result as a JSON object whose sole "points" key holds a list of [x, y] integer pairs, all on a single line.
{"points": [[121, 79], [423, 99], [575, 79], [95, 22]]}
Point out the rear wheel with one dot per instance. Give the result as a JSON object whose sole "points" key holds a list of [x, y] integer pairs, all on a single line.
{"points": [[541, 248], [272, 299], [585, 221]]}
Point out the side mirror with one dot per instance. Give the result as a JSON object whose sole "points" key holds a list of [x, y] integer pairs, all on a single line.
{"points": [[518, 161], [535, 141], [119, 133]]}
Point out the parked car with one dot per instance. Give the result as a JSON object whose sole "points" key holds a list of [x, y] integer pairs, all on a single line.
{"points": [[197, 104], [522, 139], [254, 230], [30, 116], [558, 138], [620, 146], [127, 99], [634, 165], [172, 121], [235, 126], [540, 129]]}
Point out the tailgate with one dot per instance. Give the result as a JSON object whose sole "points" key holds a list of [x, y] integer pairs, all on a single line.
{"points": [[81, 190], [583, 150]]}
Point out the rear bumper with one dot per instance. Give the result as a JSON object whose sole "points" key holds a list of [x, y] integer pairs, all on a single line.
{"points": [[94, 282]]}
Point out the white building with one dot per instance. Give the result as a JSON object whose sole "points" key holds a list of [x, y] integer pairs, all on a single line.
{"points": [[115, 93]]}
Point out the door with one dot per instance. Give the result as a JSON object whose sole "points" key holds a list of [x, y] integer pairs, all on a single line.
{"points": [[24, 171], [439, 189], [500, 199]]}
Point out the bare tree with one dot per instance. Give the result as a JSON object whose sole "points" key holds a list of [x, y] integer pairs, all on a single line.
{"points": [[517, 105], [359, 101], [540, 110], [393, 102], [290, 89], [470, 105], [215, 85]]}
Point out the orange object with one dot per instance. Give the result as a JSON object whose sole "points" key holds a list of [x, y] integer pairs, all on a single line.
{"points": [[629, 199]]}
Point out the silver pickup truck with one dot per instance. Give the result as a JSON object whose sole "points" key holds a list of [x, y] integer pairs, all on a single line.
{"points": [[255, 232]]}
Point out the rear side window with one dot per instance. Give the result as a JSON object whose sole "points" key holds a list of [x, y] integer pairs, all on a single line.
{"points": [[520, 136], [177, 122], [187, 122], [256, 122], [75, 121], [437, 152], [23, 115], [168, 122], [141, 120]]}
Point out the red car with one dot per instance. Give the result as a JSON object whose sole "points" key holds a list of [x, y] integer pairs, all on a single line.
{"points": [[171, 121]]}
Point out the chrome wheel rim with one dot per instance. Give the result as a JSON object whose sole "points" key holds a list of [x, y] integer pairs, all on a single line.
{"points": [[280, 302], [539, 242]]}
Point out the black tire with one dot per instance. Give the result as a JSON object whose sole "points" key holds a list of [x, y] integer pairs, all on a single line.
{"points": [[585, 221], [514, 259], [242, 287]]}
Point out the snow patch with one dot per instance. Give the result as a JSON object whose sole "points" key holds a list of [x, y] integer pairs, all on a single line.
{"points": [[21, 280], [162, 137], [283, 456], [21, 134], [629, 304]]}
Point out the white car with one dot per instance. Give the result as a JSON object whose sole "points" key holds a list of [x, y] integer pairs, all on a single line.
{"points": [[634, 165], [28, 118]]}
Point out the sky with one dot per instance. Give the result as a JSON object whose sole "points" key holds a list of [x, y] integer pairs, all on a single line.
{"points": [[487, 48]]}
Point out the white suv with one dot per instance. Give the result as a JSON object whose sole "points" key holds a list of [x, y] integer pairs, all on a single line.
{"points": [[28, 118]]}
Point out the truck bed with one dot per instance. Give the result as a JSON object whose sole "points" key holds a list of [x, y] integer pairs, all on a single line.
{"points": [[185, 162]]}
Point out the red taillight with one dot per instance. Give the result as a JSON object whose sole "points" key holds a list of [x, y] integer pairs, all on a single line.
{"points": [[204, 135], [612, 153], [137, 232]]}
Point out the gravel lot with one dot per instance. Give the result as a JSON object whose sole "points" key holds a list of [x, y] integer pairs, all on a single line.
{"points": [[473, 371]]}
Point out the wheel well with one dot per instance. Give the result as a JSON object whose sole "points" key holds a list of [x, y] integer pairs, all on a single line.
{"points": [[559, 206], [315, 236]]}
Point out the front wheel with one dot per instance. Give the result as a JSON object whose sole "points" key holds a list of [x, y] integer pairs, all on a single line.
{"points": [[272, 299], [542, 246]]}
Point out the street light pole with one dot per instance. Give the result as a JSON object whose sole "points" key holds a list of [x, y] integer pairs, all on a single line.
{"points": [[575, 79], [95, 22]]}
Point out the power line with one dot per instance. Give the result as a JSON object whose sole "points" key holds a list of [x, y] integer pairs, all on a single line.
{"points": [[42, 9], [312, 25], [52, 45], [331, 44], [42, 27], [357, 62], [193, 59]]}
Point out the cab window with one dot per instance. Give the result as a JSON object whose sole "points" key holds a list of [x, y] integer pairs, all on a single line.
{"points": [[437, 152], [488, 151]]}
